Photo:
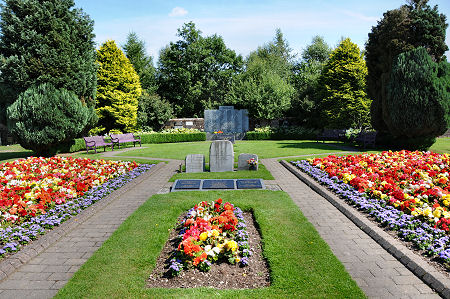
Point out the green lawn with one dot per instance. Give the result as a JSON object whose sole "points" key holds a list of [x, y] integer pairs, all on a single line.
{"points": [[442, 145], [261, 173], [264, 149], [301, 263]]}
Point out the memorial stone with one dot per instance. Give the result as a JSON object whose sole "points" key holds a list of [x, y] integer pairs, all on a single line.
{"points": [[249, 184], [227, 120], [218, 184], [221, 156], [187, 184], [195, 163], [243, 161]]}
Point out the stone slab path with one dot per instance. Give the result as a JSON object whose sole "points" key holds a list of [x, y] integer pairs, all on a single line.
{"points": [[49, 271], [377, 273]]}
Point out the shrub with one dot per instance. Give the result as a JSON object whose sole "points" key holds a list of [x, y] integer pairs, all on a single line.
{"points": [[282, 133], [172, 137], [43, 117], [153, 111]]}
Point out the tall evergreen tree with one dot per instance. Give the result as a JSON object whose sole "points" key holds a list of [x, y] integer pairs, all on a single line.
{"points": [[135, 51], [418, 97], [345, 103], [196, 72], [118, 90], [400, 30], [46, 41]]}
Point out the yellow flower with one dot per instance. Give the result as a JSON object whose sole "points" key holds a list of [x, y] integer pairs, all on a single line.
{"points": [[203, 236], [231, 245], [215, 233]]}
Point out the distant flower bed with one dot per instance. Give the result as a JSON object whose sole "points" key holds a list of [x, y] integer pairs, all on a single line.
{"points": [[37, 194], [211, 232], [406, 191]]}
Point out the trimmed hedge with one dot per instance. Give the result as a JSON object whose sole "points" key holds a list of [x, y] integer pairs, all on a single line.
{"points": [[78, 144], [172, 137], [300, 134]]}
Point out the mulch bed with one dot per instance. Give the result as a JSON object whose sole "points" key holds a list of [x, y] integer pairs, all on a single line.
{"points": [[221, 276]]}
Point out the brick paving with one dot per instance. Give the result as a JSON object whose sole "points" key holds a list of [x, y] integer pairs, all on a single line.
{"points": [[377, 273], [44, 274]]}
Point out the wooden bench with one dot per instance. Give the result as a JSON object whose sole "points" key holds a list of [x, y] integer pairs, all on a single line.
{"points": [[93, 142], [331, 134], [124, 138], [366, 138]]}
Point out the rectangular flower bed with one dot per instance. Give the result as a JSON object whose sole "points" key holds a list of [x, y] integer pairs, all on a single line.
{"points": [[406, 191], [39, 193]]}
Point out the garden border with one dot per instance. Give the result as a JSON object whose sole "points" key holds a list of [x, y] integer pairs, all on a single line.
{"points": [[12, 262], [411, 260]]}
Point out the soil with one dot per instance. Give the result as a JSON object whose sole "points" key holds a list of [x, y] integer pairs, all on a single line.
{"points": [[221, 276]]}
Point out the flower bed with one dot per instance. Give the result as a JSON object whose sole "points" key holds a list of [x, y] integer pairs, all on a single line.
{"points": [[405, 191], [210, 232], [37, 194]]}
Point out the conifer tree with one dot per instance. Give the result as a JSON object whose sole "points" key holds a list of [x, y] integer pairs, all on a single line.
{"points": [[118, 90], [46, 41], [345, 103]]}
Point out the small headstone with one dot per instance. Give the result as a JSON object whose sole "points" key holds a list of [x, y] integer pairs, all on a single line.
{"points": [[221, 156], [243, 161], [195, 163], [218, 184], [187, 184], [249, 184]]}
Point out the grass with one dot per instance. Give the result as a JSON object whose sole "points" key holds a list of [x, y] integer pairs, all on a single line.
{"points": [[301, 263], [261, 173], [264, 149], [100, 156], [442, 145], [13, 152]]}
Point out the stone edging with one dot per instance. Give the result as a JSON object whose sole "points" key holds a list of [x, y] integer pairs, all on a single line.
{"points": [[10, 263], [427, 273]]}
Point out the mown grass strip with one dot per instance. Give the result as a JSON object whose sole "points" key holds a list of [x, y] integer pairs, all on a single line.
{"points": [[301, 263]]}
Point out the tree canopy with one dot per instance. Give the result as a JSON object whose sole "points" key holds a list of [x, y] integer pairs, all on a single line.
{"points": [[195, 72], [345, 103], [118, 90]]}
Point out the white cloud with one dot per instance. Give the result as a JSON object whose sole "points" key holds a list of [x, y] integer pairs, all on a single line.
{"points": [[178, 12]]}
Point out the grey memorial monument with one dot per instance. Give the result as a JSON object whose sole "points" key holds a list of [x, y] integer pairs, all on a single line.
{"points": [[228, 120], [243, 161], [195, 163], [221, 156]]}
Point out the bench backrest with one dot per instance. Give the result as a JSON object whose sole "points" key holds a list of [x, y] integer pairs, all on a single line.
{"points": [[99, 140], [123, 137]]}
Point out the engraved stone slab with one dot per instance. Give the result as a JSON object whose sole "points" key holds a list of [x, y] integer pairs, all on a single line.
{"points": [[218, 184], [249, 184], [221, 156], [187, 184], [195, 163], [242, 161]]}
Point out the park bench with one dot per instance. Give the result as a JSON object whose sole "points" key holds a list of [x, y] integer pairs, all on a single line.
{"points": [[124, 138], [331, 134], [92, 142], [366, 138]]}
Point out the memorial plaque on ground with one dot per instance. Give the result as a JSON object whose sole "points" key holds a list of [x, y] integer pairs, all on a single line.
{"points": [[218, 184], [187, 184], [249, 184], [195, 163]]}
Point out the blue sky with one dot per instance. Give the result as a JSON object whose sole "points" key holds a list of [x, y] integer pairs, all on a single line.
{"points": [[243, 24]]}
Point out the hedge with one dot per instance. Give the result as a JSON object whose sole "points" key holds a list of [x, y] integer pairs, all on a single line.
{"points": [[300, 134], [79, 145]]}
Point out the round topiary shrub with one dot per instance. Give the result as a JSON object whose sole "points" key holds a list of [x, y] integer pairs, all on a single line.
{"points": [[44, 116]]}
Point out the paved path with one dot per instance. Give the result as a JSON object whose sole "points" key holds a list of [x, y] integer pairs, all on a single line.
{"points": [[46, 273], [378, 273]]}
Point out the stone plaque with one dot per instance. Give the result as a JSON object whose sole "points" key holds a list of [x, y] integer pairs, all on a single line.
{"points": [[226, 119], [187, 184], [189, 123], [218, 184], [249, 184], [221, 156], [243, 164], [195, 163]]}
